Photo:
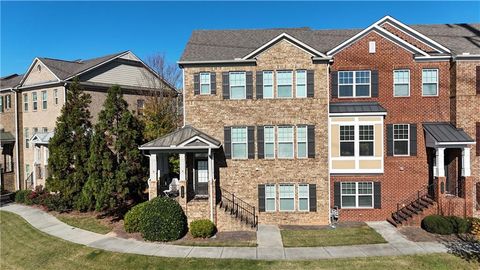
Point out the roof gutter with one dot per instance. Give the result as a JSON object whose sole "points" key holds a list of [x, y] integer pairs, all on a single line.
{"points": [[17, 147], [466, 57], [433, 58], [233, 61]]}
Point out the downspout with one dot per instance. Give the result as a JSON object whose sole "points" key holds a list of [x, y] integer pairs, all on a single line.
{"points": [[183, 95], [65, 93], [210, 182], [328, 143], [17, 146]]}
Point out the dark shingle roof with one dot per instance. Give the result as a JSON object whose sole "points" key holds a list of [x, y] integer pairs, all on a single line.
{"points": [[446, 132], [6, 137], [356, 107], [205, 45], [179, 136], [10, 81]]}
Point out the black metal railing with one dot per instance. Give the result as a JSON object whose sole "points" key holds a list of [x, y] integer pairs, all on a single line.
{"points": [[239, 208], [29, 181], [425, 192]]}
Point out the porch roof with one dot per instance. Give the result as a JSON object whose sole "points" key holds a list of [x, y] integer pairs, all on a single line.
{"points": [[186, 137], [6, 137], [446, 133], [356, 108], [42, 137]]}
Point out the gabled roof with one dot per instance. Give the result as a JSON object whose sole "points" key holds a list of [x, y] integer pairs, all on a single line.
{"points": [[10, 81], [356, 108], [445, 133], [42, 137], [185, 137]]}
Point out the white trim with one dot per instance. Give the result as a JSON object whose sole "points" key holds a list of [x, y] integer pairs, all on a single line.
{"points": [[357, 195], [354, 84], [30, 68], [194, 138], [358, 114], [306, 141], [217, 61], [280, 197], [265, 143], [292, 142], [174, 147], [401, 41], [401, 140], [282, 36], [437, 58], [304, 84], [246, 143], [274, 198], [272, 85], [454, 143], [278, 84], [308, 197], [409, 81], [438, 80], [244, 84], [209, 83]]}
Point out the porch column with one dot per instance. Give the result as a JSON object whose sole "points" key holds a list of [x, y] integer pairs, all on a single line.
{"points": [[440, 161], [182, 167], [152, 181], [466, 161]]}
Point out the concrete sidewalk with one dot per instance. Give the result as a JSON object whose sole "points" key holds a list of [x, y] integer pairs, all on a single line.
{"points": [[268, 248]]}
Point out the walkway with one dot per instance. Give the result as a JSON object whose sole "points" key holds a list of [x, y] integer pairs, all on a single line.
{"points": [[397, 245]]}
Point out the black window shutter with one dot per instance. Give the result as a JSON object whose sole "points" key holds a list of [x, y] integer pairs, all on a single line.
{"points": [[227, 142], [261, 198], [249, 86], [259, 86], [260, 142], [377, 195], [226, 85], [413, 139], [196, 84], [311, 141], [312, 194], [374, 83], [478, 80], [389, 140], [310, 83], [251, 142], [336, 195], [213, 83], [334, 84]]}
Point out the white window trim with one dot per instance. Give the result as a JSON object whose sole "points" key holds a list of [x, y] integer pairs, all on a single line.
{"points": [[297, 84], [409, 80], [357, 194], [308, 197], [280, 197], [244, 84], [438, 78], [354, 84], [55, 96], [26, 134], [246, 143], [2, 106], [274, 143], [292, 141], [340, 140], [278, 84], [274, 198], [34, 101], [408, 140], [25, 102], [306, 141], [44, 100], [372, 141], [272, 84], [209, 83]]}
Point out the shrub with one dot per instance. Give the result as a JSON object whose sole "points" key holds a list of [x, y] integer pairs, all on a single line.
{"points": [[21, 195], [437, 224], [133, 217], [460, 225], [163, 219], [475, 227], [55, 202], [202, 228]]}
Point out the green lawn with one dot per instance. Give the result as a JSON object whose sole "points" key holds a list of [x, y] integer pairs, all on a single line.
{"points": [[341, 236], [24, 247], [88, 223]]}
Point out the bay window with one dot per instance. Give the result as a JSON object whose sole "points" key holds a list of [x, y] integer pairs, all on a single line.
{"points": [[366, 139], [347, 141]]}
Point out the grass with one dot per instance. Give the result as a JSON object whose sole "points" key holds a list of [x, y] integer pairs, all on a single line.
{"points": [[89, 223], [24, 247], [341, 236]]}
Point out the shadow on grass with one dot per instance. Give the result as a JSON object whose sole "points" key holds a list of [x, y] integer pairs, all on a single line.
{"points": [[466, 247]]}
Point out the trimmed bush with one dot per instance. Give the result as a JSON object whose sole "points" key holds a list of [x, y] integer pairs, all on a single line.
{"points": [[202, 228], [163, 219], [475, 227], [21, 195], [55, 202], [460, 225], [437, 224], [133, 217]]}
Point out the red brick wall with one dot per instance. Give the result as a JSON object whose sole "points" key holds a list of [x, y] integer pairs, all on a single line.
{"points": [[402, 176]]}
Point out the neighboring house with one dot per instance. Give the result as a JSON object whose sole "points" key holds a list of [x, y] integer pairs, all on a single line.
{"points": [[40, 95], [282, 125]]}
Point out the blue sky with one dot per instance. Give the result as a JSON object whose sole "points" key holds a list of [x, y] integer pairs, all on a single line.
{"points": [[81, 30]]}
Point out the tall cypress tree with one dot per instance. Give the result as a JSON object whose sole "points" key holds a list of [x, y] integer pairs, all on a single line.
{"points": [[69, 147]]}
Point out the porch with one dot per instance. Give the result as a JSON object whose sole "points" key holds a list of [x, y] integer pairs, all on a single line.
{"points": [[41, 153]]}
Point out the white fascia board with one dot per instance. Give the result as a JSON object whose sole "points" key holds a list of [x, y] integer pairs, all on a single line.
{"points": [[30, 69], [217, 62], [278, 38], [358, 114], [433, 58], [174, 147], [399, 40], [194, 139], [453, 143]]}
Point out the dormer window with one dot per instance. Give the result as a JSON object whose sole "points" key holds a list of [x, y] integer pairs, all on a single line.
{"points": [[354, 83]]}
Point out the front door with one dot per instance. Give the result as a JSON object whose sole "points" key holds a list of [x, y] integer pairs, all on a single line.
{"points": [[201, 178]]}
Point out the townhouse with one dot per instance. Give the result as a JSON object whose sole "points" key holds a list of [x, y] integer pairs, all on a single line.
{"points": [[31, 103], [284, 125]]}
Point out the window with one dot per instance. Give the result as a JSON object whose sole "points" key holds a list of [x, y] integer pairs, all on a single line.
{"points": [[44, 130], [354, 83], [55, 96], [357, 194], [35, 130], [303, 197], [237, 85], [27, 137], [44, 100], [430, 82], [269, 141], [27, 170], [371, 47], [140, 106], [270, 198], [285, 142], [301, 83], [34, 100], [287, 197], [1, 104], [8, 101], [239, 142], [347, 141], [204, 83], [400, 140], [284, 84], [25, 102], [268, 84], [366, 140], [302, 141], [401, 83]]}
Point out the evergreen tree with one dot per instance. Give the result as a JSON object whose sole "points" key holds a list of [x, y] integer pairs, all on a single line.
{"points": [[69, 147]]}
